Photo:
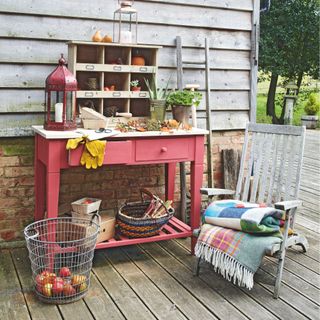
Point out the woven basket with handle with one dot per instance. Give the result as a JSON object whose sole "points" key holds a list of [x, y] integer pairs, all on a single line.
{"points": [[133, 222]]}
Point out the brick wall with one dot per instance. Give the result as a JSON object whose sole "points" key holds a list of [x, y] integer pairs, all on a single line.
{"points": [[113, 184]]}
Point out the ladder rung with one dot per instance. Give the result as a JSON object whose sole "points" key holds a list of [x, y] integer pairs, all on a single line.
{"points": [[193, 62]]}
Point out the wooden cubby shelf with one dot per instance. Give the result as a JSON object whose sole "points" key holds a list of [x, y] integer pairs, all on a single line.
{"points": [[104, 72]]}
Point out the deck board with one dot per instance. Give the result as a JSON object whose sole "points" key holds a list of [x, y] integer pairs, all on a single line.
{"points": [[155, 281]]}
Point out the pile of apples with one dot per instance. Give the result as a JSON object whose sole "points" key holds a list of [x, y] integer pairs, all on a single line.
{"points": [[66, 284]]}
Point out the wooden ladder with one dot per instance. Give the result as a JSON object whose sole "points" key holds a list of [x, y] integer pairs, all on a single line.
{"points": [[180, 65]]}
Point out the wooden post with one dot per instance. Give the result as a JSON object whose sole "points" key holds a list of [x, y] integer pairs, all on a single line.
{"points": [[254, 60], [193, 107], [208, 114], [183, 180]]}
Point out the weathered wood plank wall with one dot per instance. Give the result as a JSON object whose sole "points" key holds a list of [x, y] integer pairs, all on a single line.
{"points": [[34, 32]]}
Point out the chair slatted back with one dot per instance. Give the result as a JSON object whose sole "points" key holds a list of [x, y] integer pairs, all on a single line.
{"points": [[271, 162]]}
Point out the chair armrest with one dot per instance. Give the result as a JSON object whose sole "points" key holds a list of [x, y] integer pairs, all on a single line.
{"points": [[287, 205], [216, 192]]}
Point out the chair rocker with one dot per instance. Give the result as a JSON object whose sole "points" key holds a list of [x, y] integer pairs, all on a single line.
{"points": [[269, 173]]}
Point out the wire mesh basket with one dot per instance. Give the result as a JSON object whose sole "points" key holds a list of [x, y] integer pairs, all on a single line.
{"points": [[61, 252]]}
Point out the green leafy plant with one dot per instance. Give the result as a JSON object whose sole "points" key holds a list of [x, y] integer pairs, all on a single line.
{"points": [[134, 83], [154, 92], [312, 106], [184, 98]]}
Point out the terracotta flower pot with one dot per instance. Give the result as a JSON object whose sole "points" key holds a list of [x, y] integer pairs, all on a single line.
{"points": [[135, 88], [138, 61], [181, 113]]}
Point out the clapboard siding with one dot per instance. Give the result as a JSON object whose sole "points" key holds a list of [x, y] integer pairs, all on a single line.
{"points": [[45, 52], [53, 28], [33, 33], [149, 12], [32, 100], [33, 76]]}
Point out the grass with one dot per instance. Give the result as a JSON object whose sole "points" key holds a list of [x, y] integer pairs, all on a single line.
{"points": [[261, 109], [306, 90]]}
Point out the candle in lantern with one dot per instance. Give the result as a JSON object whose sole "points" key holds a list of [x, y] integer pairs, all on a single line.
{"points": [[58, 107], [126, 36]]}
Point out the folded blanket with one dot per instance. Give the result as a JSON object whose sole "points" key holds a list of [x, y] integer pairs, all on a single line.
{"points": [[235, 237], [236, 255], [244, 216]]}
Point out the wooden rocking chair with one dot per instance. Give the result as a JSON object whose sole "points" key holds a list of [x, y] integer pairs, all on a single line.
{"points": [[270, 171]]}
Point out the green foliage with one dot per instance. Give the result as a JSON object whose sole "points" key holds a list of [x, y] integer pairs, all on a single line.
{"points": [[312, 106], [154, 92], [298, 108], [184, 98], [289, 43], [134, 83]]}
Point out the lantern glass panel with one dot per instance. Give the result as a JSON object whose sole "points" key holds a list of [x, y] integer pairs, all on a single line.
{"points": [[70, 112], [125, 26]]}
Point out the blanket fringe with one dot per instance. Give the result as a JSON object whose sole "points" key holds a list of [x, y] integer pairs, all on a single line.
{"points": [[226, 265]]}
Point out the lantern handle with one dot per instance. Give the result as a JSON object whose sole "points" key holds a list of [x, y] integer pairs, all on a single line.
{"points": [[62, 60]]}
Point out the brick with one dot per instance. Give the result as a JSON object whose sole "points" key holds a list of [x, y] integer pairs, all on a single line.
{"points": [[26, 160], [7, 235], [9, 161], [67, 177], [18, 171], [16, 150]]}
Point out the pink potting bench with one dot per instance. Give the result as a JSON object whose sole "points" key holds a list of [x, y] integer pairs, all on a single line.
{"points": [[126, 149]]}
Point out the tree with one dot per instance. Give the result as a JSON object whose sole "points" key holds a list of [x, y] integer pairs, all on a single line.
{"points": [[289, 44]]}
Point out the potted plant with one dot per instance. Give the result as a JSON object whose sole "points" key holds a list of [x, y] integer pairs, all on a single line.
{"points": [[311, 109], [157, 97], [135, 85], [181, 102]]}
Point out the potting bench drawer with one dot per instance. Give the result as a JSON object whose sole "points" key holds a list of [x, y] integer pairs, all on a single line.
{"points": [[162, 149], [117, 152]]}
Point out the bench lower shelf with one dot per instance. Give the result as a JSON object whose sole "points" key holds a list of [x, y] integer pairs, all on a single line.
{"points": [[173, 229]]}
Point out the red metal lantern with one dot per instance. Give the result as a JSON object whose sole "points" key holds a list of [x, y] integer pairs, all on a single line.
{"points": [[61, 87]]}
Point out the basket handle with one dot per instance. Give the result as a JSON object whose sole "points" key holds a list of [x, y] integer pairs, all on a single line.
{"points": [[144, 191], [97, 217]]}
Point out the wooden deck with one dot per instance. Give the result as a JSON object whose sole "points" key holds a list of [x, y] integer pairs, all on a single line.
{"points": [[154, 281]]}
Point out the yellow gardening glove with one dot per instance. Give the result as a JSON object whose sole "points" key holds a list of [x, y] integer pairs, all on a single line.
{"points": [[73, 143], [88, 160], [102, 148], [96, 148]]}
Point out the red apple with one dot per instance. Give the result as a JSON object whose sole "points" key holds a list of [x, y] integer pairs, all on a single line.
{"points": [[51, 277], [47, 289], [65, 272], [57, 287], [68, 289]]}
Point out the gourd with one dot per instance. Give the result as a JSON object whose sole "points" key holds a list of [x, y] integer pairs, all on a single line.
{"points": [[97, 37]]}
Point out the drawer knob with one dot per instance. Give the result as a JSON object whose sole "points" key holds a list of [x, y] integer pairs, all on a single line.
{"points": [[164, 149]]}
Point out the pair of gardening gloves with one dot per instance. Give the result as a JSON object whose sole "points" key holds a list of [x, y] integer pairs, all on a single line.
{"points": [[93, 151]]}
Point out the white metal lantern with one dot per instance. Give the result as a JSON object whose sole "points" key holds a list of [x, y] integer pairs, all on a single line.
{"points": [[125, 23]]}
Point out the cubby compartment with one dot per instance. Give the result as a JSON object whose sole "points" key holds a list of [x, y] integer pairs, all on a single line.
{"points": [[89, 81], [140, 107], [117, 55], [112, 106], [148, 54], [116, 81], [140, 77], [89, 54], [94, 104], [104, 72]]}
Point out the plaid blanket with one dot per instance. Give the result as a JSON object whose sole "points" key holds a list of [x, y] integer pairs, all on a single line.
{"points": [[237, 255], [244, 216]]}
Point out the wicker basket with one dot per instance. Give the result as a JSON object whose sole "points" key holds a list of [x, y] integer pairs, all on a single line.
{"points": [[131, 222]]}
